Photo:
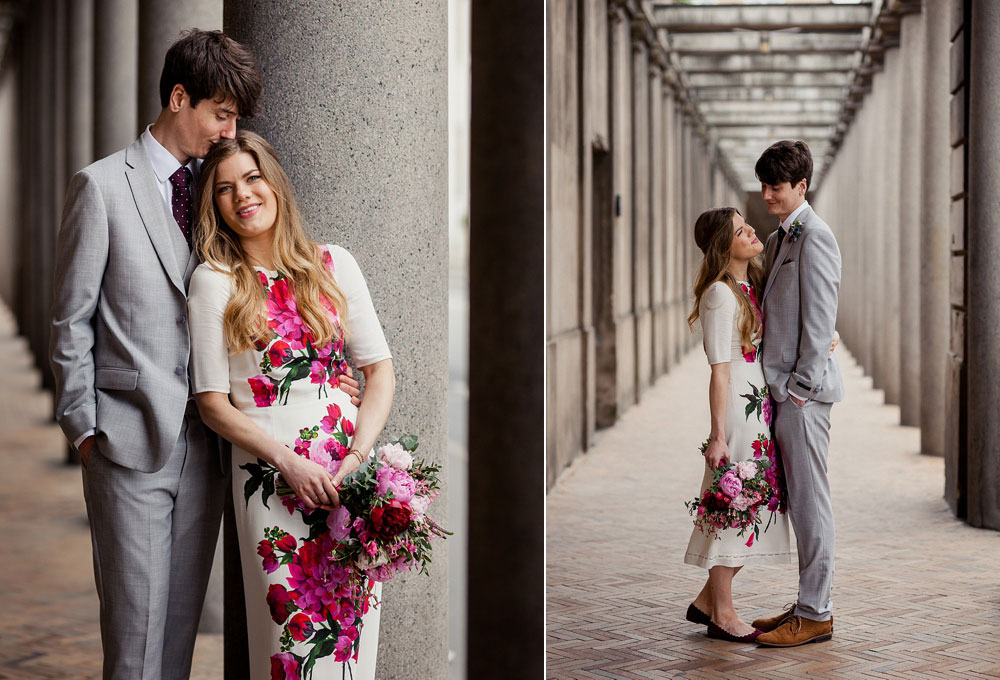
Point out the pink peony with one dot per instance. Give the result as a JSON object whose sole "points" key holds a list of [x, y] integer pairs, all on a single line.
{"points": [[339, 523], [396, 456], [730, 484], [746, 469], [419, 506], [741, 502], [401, 485]]}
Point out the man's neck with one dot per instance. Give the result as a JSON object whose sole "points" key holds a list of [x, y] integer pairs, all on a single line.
{"points": [[797, 206], [164, 133]]}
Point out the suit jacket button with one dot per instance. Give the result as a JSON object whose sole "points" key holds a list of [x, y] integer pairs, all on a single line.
{"points": [[179, 370], [181, 320]]}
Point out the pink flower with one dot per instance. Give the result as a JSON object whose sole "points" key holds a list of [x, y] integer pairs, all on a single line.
{"points": [[345, 642], [329, 422], [348, 427], [302, 447], [284, 666], [283, 315], [300, 627], [279, 600], [264, 391], [730, 484], [398, 482], [339, 523], [337, 450], [317, 372], [321, 456], [313, 574], [746, 469], [741, 502], [419, 506], [766, 410], [396, 456]]}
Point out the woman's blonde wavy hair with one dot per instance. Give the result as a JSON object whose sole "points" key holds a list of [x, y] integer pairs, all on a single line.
{"points": [[295, 255], [713, 232]]}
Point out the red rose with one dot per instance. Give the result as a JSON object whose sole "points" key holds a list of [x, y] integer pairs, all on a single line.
{"points": [[300, 627], [279, 600], [266, 550], [278, 353], [391, 519], [286, 543]]}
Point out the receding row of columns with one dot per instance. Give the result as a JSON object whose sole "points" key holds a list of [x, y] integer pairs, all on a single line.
{"points": [[912, 197], [630, 168]]}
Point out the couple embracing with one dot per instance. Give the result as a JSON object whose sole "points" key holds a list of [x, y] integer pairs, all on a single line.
{"points": [[189, 303], [769, 337]]}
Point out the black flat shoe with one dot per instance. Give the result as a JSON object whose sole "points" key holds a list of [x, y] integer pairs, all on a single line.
{"points": [[695, 615], [720, 633]]}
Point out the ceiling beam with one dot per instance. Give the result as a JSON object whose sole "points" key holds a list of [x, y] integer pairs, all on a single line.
{"points": [[792, 106], [741, 119], [678, 18], [767, 94], [797, 80], [752, 42], [769, 63]]}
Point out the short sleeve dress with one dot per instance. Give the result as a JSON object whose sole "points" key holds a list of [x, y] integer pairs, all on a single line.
{"points": [[748, 433], [296, 605]]}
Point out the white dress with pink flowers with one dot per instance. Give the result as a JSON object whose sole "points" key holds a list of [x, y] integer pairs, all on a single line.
{"points": [[748, 434], [298, 619]]}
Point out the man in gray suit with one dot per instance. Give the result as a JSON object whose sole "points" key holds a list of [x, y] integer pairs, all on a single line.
{"points": [[153, 479], [802, 265]]}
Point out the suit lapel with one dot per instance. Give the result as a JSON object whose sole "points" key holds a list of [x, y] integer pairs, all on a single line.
{"points": [[153, 212], [779, 258]]}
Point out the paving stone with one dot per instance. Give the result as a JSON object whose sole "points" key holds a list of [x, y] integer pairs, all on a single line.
{"points": [[915, 592]]}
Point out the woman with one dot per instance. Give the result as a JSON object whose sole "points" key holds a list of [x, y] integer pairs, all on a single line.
{"points": [[270, 314], [726, 291]]}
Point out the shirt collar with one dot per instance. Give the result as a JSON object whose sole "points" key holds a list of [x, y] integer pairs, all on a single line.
{"points": [[791, 218], [163, 162]]}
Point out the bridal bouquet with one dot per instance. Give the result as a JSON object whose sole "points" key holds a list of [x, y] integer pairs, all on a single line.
{"points": [[739, 493]]}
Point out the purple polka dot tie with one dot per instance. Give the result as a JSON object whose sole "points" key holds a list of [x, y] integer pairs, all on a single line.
{"points": [[181, 202]]}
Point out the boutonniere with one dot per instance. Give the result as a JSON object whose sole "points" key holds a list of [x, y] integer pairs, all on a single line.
{"points": [[795, 230]]}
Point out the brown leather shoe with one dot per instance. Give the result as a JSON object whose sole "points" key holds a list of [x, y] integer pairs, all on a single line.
{"points": [[769, 624], [795, 631]]}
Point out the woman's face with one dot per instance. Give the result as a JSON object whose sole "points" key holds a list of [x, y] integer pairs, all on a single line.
{"points": [[246, 202], [746, 245]]}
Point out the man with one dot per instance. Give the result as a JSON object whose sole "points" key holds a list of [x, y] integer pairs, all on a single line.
{"points": [[153, 478], [802, 264]]}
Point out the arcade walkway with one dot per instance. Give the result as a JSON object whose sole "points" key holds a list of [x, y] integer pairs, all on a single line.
{"points": [[50, 625], [915, 595]]}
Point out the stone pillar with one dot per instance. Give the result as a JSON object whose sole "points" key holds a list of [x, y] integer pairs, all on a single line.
{"points": [[657, 246], [934, 231], [160, 24], [621, 149], [365, 148], [983, 285], [669, 193], [115, 75], [80, 86], [640, 207], [911, 123], [890, 223], [506, 568], [9, 181]]}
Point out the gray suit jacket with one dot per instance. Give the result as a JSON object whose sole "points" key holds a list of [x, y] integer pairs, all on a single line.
{"points": [[120, 346], [800, 312]]}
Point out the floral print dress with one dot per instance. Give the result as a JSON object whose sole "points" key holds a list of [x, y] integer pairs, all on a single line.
{"points": [[300, 620], [748, 434]]}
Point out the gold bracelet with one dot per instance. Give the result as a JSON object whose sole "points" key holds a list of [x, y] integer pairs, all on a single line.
{"points": [[361, 459]]}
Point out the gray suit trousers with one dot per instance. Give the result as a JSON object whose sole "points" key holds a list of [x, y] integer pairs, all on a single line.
{"points": [[154, 536], [803, 435]]}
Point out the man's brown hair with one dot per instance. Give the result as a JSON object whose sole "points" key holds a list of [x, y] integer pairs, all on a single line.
{"points": [[211, 65], [785, 161]]}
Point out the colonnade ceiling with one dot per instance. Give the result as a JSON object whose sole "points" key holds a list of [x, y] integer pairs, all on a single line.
{"points": [[757, 73]]}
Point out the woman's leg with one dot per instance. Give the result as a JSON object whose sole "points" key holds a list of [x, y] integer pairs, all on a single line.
{"points": [[720, 582]]}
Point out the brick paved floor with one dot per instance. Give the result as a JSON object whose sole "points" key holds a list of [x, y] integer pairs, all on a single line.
{"points": [[916, 593], [48, 617]]}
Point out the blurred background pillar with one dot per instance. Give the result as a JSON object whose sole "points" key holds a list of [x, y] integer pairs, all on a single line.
{"points": [[116, 79]]}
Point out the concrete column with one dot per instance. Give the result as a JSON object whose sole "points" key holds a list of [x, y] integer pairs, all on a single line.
{"points": [[80, 86], [621, 149], [889, 329], [9, 181], [934, 231], [160, 24], [983, 283], [365, 148], [911, 157], [506, 569], [640, 205], [115, 74], [657, 247], [669, 154]]}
